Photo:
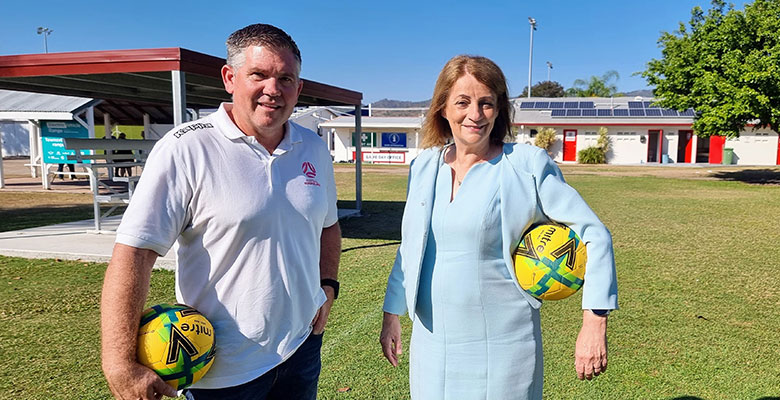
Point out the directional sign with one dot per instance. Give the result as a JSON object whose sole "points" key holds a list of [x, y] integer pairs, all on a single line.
{"points": [[52, 145]]}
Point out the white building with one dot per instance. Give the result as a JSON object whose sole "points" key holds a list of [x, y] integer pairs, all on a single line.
{"points": [[391, 140], [639, 133]]}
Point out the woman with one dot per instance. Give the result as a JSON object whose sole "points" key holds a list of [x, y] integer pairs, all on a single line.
{"points": [[476, 334]]}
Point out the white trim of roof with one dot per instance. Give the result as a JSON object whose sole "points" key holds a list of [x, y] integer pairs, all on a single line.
{"points": [[371, 122], [35, 115]]}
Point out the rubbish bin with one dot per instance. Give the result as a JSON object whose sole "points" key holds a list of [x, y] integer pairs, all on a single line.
{"points": [[728, 156]]}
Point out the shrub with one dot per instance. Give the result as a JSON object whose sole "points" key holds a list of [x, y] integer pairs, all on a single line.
{"points": [[545, 138], [598, 153], [591, 155]]}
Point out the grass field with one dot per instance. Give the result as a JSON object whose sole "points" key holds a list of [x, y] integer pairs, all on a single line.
{"points": [[698, 277]]}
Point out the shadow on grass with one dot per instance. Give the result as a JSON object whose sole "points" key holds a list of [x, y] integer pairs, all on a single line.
{"points": [[380, 220], [753, 176], [21, 218], [699, 398]]}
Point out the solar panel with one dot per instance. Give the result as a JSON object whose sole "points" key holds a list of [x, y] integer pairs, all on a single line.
{"points": [[635, 104], [586, 104], [636, 113], [558, 113], [649, 104], [604, 112], [527, 104], [687, 113], [542, 104], [573, 112], [668, 112], [556, 104], [571, 104], [653, 112], [589, 112], [620, 112]]}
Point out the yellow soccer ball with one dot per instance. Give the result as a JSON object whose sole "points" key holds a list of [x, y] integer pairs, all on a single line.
{"points": [[550, 262], [177, 342]]}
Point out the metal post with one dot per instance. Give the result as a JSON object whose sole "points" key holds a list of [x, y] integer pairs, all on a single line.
{"points": [[358, 159], [531, 53], [2, 177], [179, 97], [34, 140], [91, 121]]}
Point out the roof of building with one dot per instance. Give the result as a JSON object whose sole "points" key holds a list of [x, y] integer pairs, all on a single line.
{"points": [[25, 105], [596, 111], [374, 122]]}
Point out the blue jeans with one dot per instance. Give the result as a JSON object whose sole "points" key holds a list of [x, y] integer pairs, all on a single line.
{"points": [[294, 379]]}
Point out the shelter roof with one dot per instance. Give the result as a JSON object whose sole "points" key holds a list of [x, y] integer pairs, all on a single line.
{"points": [[138, 81], [25, 105]]}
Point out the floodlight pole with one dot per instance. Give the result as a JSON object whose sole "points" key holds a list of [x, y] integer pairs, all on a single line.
{"points": [[531, 53], [549, 67], [45, 32]]}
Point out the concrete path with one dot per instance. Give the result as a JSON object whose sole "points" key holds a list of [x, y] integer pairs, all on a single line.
{"points": [[69, 241]]}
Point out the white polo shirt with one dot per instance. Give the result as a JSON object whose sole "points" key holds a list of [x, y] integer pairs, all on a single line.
{"points": [[247, 227]]}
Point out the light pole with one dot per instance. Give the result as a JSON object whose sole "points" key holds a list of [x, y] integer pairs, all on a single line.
{"points": [[531, 53], [549, 67], [45, 32]]}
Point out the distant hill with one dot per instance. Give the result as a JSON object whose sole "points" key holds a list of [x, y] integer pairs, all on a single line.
{"points": [[387, 103], [643, 93]]}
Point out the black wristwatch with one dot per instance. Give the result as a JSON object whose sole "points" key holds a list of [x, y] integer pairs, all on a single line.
{"points": [[332, 283]]}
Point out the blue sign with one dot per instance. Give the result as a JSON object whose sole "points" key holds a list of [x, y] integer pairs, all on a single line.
{"points": [[393, 139], [52, 145]]}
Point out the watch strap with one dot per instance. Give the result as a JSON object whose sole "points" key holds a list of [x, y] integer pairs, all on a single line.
{"points": [[332, 283]]}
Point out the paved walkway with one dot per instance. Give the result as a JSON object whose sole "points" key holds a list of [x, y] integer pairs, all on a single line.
{"points": [[69, 241]]}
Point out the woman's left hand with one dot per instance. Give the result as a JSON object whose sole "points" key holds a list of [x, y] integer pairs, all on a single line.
{"points": [[590, 353]]}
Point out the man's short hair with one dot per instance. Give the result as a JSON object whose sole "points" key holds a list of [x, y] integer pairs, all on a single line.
{"points": [[258, 35]]}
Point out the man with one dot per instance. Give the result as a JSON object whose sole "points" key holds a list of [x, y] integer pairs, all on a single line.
{"points": [[250, 201]]}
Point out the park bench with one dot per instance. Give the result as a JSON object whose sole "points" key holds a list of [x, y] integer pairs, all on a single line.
{"points": [[94, 154]]}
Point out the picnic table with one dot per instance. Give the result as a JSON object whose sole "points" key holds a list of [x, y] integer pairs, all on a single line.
{"points": [[94, 154]]}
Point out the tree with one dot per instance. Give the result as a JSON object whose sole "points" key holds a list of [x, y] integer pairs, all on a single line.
{"points": [[725, 65], [596, 86], [545, 89]]}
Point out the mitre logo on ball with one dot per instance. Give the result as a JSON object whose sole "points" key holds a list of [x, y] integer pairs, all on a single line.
{"points": [[177, 342], [550, 262]]}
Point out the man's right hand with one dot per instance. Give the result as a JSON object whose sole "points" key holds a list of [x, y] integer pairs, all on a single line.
{"points": [[390, 338], [131, 381]]}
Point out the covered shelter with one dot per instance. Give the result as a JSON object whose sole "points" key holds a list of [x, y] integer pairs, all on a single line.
{"points": [[148, 85]]}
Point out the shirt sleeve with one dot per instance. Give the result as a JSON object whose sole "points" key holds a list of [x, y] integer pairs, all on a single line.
{"points": [[158, 211], [562, 203]]}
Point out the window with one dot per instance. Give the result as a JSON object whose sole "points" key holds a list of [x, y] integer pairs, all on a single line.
{"points": [[534, 132]]}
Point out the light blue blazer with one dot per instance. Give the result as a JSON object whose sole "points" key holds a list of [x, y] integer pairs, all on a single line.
{"points": [[532, 191]]}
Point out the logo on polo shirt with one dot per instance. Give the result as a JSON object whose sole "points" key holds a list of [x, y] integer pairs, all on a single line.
{"points": [[310, 172]]}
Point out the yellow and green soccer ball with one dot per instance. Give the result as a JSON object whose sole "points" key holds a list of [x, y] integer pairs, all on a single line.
{"points": [[550, 262], [177, 342]]}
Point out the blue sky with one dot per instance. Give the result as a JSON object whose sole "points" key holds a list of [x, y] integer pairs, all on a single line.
{"points": [[391, 49]]}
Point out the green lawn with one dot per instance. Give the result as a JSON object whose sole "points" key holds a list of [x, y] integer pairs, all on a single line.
{"points": [[699, 293]]}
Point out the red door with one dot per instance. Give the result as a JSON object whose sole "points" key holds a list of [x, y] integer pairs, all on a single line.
{"points": [[570, 145], [684, 146], [716, 149]]}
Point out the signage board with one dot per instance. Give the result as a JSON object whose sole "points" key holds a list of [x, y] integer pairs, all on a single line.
{"points": [[394, 139], [52, 143], [386, 157]]}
